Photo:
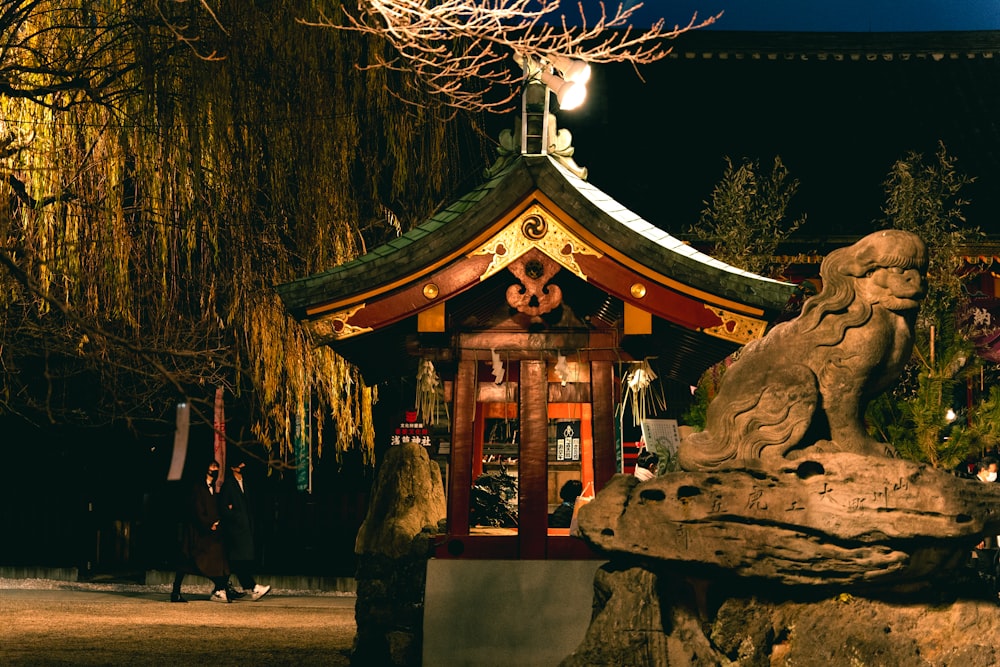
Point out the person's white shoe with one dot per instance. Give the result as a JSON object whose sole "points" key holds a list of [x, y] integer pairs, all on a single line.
{"points": [[259, 591], [219, 596]]}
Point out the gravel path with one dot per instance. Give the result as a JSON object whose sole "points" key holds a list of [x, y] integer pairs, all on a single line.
{"points": [[67, 623]]}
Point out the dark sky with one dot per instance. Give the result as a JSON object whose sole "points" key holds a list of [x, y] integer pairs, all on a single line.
{"points": [[658, 143], [824, 15]]}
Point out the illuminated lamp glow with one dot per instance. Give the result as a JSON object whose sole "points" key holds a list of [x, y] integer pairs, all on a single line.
{"points": [[571, 68], [570, 94]]}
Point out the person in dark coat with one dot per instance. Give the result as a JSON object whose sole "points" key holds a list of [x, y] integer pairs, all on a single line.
{"points": [[238, 529], [202, 550], [562, 516]]}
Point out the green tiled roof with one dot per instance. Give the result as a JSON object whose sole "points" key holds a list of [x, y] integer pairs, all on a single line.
{"points": [[607, 219], [374, 267]]}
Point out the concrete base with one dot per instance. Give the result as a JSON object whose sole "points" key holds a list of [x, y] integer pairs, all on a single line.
{"points": [[484, 613]]}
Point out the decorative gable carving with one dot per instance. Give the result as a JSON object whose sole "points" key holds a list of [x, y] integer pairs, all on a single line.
{"points": [[534, 296], [535, 228]]}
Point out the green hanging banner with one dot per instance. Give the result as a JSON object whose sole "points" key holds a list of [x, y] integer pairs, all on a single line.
{"points": [[303, 451]]}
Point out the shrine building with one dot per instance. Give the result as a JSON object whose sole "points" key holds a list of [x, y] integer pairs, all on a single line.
{"points": [[531, 304]]}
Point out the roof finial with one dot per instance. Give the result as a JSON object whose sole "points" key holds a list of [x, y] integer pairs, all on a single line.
{"points": [[535, 130]]}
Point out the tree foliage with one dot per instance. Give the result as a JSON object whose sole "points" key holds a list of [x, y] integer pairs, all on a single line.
{"points": [[744, 221], [924, 196], [747, 216], [152, 197]]}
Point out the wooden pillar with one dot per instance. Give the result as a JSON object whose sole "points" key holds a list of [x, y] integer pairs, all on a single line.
{"points": [[602, 388], [533, 461], [478, 427], [587, 449], [460, 469]]}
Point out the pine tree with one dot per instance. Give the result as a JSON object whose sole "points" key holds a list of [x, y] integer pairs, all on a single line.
{"points": [[924, 196]]}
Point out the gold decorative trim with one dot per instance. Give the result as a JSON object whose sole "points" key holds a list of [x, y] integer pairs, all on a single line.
{"points": [[335, 325], [534, 228], [736, 328], [601, 248]]}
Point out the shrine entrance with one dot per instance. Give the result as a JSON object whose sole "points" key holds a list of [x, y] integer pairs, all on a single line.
{"points": [[527, 436]]}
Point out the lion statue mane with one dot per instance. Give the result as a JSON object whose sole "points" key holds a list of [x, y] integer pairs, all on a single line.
{"points": [[807, 382]]}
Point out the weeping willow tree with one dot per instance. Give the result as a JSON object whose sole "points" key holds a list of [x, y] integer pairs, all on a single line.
{"points": [[163, 166]]}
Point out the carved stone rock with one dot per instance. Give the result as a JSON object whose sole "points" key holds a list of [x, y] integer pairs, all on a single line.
{"points": [[829, 518], [645, 615], [785, 485], [629, 623], [806, 383], [408, 498], [393, 545]]}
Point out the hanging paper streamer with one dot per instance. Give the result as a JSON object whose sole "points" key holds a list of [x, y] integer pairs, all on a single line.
{"points": [[498, 370], [180, 442], [220, 436], [562, 369], [428, 392], [642, 392], [303, 451]]}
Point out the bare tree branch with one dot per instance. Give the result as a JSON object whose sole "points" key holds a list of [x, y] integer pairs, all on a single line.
{"points": [[189, 36], [459, 51]]}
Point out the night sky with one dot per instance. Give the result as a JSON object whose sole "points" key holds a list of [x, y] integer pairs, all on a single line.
{"points": [[658, 143], [828, 15]]}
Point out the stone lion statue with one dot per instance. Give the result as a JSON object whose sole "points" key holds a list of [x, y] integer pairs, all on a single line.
{"points": [[807, 383]]}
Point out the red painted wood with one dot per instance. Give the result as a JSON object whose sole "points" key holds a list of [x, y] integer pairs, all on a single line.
{"points": [[478, 428], [603, 388], [563, 547], [476, 546], [559, 547], [460, 470], [598, 345], [533, 478], [687, 311], [386, 307]]}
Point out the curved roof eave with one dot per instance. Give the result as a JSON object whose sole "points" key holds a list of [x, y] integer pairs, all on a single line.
{"points": [[450, 232], [426, 245], [656, 250], [847, 46]]}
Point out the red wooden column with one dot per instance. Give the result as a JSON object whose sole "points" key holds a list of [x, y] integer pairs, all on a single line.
{"points": [[460, 471], [532, 465], [602, 395]]}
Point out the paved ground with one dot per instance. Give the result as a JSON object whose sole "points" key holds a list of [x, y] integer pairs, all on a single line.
{"points": [[60, 623]]}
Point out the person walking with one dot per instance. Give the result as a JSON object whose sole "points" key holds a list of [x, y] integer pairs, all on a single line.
{"points": [[202, 550], [238, 530]]}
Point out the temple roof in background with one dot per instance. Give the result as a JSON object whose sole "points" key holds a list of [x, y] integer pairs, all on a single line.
{"points": [[837, 45]]}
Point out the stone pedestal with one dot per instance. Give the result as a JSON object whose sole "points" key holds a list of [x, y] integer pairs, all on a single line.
{"points": [[642, 617], [393, 546], [834, 519], [647, 614]]}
